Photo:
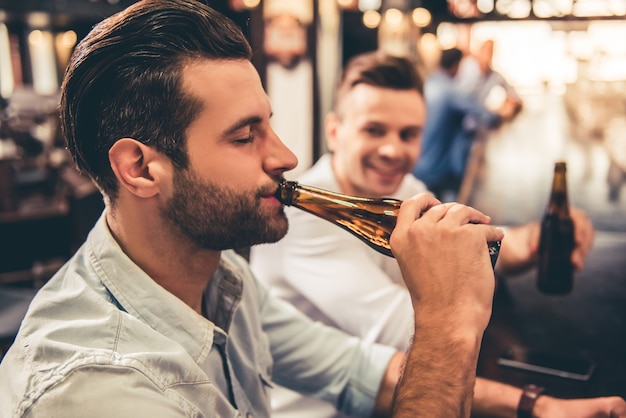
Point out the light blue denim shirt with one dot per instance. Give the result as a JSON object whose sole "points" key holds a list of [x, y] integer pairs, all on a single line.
{"points": [[102, 339], [447, 105]]}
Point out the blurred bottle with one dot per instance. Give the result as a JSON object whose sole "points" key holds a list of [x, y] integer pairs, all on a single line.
{"points": [[555, 270], [371, 220]]}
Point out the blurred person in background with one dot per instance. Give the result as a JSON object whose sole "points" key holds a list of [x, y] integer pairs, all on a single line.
{"points": [[156, 315], [445, 140], [374, 135], [477, 76]]}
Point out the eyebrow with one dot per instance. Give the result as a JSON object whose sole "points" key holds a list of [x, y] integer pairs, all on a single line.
{"points": [[242, 123]]}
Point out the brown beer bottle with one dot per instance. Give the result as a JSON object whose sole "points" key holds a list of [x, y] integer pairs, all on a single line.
{"points": [[371, 220], [555, 270]]}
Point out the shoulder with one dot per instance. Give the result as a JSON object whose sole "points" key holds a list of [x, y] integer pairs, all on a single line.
{"points": [[320, 174], [104, 391], [410, 186], [65, 339]]}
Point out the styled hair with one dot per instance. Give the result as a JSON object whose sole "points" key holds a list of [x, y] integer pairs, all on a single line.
{"points": [[124, 80], [379, 69], [450, 57]]}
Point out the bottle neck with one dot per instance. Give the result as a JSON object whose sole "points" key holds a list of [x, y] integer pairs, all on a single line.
{"points": [[290, 192], [285, 192], [558, 198]]}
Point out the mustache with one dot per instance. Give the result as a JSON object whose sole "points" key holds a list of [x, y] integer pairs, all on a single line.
{"points": [[270, 188]]}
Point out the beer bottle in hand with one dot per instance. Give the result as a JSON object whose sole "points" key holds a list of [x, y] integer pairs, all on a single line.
{"points": [[555, 270], [371, 220]]}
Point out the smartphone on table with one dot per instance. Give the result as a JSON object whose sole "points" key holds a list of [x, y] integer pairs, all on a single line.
{"points": [[545, 362]]}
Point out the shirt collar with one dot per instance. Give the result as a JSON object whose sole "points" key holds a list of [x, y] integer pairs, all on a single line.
{"points": [[140, 296]]}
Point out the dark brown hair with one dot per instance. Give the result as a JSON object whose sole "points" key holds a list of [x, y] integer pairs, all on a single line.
{"points": [[379, 69], [124, 80]]}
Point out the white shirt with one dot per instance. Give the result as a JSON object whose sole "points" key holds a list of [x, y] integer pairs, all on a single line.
{"points": [[335, 278]]}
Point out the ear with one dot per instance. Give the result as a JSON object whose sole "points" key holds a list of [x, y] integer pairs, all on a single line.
{"points": [[140, 169], [331, 124]]}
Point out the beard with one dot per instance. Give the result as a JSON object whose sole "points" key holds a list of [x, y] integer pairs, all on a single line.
{"points": [[217, 218]]}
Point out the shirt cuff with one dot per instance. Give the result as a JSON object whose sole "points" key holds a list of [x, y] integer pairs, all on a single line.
{"points": [[363, 387]]}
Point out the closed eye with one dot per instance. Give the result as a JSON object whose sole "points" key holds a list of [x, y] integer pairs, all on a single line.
{"points": [[247, 140]]}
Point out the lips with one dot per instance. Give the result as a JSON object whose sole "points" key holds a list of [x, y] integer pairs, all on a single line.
{"points": [[388, 175], [270, 198]]}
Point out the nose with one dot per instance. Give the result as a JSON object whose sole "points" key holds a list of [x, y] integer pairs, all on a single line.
{"points": [[391, 148], [279, 157]]}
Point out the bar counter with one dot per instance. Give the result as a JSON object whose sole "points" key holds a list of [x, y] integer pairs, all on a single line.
{"points": [[590, 322]]}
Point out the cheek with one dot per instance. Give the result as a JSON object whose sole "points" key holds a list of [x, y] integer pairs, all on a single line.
{"points": [[230, 171], [358, 155], [213, 171], [414, 151]]}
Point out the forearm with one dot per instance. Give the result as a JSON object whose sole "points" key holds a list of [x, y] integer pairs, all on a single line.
{"points": [[387, 391], [494, 399], [439, 374], [519, 249]]}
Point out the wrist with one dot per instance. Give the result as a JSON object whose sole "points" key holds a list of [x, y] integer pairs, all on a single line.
{"points": [[530, 394]]}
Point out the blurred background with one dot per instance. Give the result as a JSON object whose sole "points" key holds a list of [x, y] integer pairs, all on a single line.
{"points": [[565, 58]]}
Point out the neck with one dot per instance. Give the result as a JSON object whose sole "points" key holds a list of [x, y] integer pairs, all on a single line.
{"points": [[166, 256]]}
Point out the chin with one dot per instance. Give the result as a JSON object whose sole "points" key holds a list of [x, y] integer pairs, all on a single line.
{"points": [[384, 184], [384, 189]]}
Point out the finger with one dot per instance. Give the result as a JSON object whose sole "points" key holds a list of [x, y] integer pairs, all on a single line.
{"points": [[458, 214], [412, 208], [580, 253], [437, 212], [583, 238], [578, 260], [491, 233]]}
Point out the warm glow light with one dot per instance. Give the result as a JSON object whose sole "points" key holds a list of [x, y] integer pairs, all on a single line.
{"points": [[579, 45], [371, 19], [543, 9], [6, 70], [38, 19], [520, 9], [68, 39], [345, 3], [617, 7], [365, 5], [503, 6], [429, 50], [421, 17], [35, 37], [605, 36], [429, 40], [394, 17], [609, 68], [485, 6], [447, 35], [64, 43], [587, 8], [564, 7], [43, 60], [251, 4]]}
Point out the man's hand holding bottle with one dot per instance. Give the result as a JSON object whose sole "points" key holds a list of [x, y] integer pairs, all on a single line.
{"points": [[443, 255]]}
